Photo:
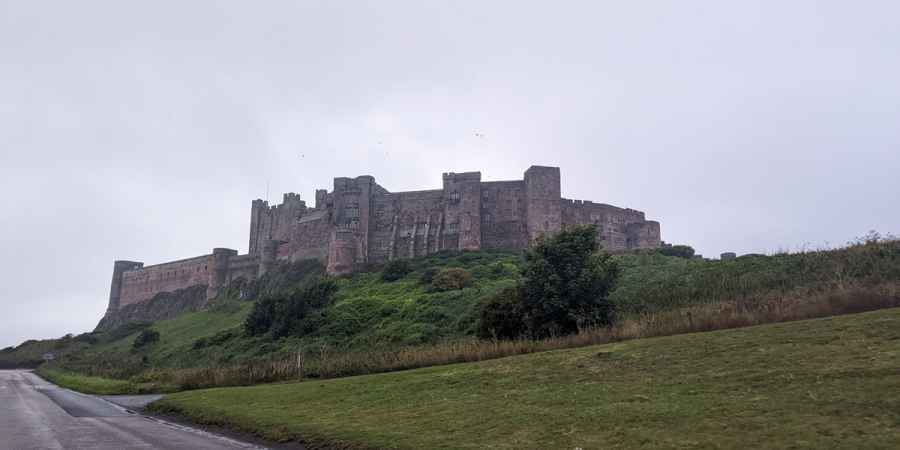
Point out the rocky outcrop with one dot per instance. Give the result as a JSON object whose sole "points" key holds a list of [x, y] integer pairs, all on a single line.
{"points": [[164, 305]]}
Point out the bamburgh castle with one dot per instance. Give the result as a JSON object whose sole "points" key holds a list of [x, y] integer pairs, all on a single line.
{"points": [[360, 222]]}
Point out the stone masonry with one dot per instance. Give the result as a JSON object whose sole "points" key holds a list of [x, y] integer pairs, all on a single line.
{"points": [[359, 222]]}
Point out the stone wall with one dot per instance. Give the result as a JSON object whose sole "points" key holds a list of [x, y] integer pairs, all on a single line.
{"points": [[503, 216], [133, 282], [309, 239], [141, 284], [416, 218], [618, 228]]}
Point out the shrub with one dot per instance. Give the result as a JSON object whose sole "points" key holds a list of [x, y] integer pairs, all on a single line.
{"points": [[681, 251], [146, 338], [297, 312], [501, 315], [123, 330], [567, 282], [395, 270], [87, 338], [216, 339], [428, 275], [450, 279]]}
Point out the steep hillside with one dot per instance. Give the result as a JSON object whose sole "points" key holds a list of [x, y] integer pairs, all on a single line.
{"points": [[367, 313], [370, 314]]}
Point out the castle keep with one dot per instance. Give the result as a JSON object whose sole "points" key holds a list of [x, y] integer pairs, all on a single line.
{"points": [[360, 222]]}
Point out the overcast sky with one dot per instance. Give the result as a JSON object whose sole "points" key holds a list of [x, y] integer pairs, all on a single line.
{"points": [[143, 130]]}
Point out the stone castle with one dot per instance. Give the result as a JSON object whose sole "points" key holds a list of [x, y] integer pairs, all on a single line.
{"points": [[360, 222]]}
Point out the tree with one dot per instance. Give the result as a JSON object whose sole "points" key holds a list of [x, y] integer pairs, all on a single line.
{"points": [[501, 315], [567, 282], [295, 312]]}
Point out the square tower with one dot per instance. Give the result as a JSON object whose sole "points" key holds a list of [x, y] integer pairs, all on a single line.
{"points": [[543, 208]]}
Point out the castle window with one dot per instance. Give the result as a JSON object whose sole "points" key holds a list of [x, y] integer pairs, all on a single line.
{"points": [[454, 197], [452, 228], [354, 224], [488, 219], [353, 211]]}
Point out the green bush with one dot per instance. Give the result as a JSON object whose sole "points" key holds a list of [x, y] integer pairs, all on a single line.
{"points": [[297, 312], [123, 330], [395, 270], [567, 282], [146, 338], [451, 279], [428, 275], [501, 315], [216, 339], [681, 251]]}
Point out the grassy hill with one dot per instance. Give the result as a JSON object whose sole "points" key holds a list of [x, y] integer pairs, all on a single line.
{"points": [[825, 383], [370, 315]]}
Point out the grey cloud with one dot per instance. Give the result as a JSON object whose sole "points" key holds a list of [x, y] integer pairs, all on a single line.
{"points": [[143, 130]]}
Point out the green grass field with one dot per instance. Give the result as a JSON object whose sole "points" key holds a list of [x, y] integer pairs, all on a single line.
{"points": [[824, 383]]}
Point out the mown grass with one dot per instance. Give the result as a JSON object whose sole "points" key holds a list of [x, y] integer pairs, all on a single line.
{"points": [[824, 383], [101, 386]]}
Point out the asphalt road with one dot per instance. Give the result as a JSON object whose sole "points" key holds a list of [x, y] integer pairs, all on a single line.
{"points": [[35, 414]]}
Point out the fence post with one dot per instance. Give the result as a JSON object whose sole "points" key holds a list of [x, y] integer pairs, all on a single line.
{"points": [[300, 362]]}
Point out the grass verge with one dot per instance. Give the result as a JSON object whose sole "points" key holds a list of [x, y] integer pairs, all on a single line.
{"points": [[824, 383], [102, 386]]}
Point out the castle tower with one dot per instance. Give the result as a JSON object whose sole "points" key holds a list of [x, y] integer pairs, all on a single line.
{"points": [[353, 212], [268, 255], [260, 225], [462, 210], [115, 289], [218, 276], [542, 201]]}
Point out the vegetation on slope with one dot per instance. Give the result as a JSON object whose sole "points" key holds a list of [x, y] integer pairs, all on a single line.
{"points": [[825, 383], [375, 325]]}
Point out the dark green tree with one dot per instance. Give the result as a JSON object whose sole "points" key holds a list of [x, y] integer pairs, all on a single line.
{"points": [[296, 312], [567, 281], [681, 251], [395, 270], [501, 315]]}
